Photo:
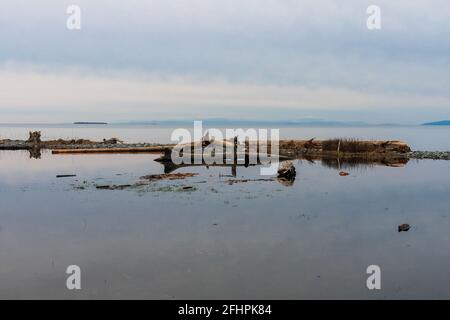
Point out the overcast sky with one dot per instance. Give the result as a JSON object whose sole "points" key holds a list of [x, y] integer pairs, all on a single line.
{"points": [[253, 59]]}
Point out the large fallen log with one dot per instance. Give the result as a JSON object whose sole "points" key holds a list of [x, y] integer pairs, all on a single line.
{"points": [[156, 149]]}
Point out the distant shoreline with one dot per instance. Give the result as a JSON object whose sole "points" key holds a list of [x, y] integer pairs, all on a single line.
{"points": [[438, 123]]}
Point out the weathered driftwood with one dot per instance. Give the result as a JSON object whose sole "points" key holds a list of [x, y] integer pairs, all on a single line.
{"points": [[35, 138], [393, 153], [155, 149], [112, 141], [287, 170], [66, 175], [286, 173]]}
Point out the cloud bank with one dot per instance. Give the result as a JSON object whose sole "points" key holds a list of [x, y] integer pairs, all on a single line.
{"points": [[201, 58]]}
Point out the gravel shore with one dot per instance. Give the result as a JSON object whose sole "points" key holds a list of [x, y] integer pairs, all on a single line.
{"points": [[435, 155]]}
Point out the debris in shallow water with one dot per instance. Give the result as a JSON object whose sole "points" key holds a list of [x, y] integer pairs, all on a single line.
{"points": [[172, 188], [344, 174], [103, 187], [66, 175], [113, 187], [233, 181], [403, 227], [168, 176]]}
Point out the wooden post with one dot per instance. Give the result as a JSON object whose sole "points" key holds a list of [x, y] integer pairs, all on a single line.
{"points": [[338, 150], [224, 152], [247, 151], [233, 168], [235, 146]]}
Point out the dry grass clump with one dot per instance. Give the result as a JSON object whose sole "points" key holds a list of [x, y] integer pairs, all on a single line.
{"points": [[349, 145]]}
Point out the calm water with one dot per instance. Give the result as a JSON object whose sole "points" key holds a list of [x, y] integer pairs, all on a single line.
{"points": [[251, 240]]}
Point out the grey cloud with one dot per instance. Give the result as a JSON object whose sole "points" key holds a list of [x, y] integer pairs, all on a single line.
{"points": [[307, 43]]}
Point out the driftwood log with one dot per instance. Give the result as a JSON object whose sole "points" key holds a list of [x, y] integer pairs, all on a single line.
{"points": [[287, 170], [286, 173]]}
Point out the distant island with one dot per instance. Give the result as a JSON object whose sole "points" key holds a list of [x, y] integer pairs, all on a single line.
{"points": [[438, 123], [247, 122], [90, 123]]}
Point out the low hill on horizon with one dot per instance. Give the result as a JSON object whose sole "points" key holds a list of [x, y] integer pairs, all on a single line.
{"points": [[438, 123]]}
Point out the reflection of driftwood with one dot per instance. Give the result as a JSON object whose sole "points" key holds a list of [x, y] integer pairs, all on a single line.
{"points": [[286, 182], [333, 161], [243, 160], [197, 149], [35, 153], [287, 176], [361, 161], [169, 166], [240, 158]]}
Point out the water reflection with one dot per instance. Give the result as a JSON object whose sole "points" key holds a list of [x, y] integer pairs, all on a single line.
{"points": [[35, 153], [330, 162], [358, 162], [255, 240]]}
